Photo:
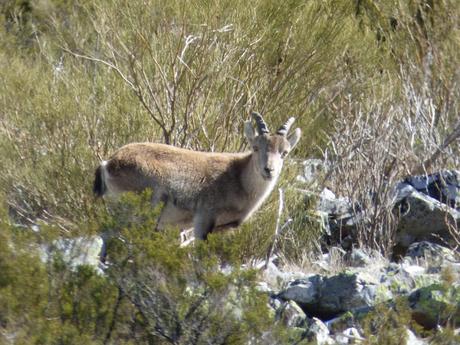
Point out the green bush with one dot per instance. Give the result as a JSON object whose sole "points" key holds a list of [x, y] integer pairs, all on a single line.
{"points": [[151, 292], [388, 325]]}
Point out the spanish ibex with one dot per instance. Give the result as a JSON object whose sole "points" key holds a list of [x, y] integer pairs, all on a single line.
{"points": [[209, 191]]}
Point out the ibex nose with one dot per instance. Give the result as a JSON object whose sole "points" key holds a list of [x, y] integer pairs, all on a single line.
{"points": [[268, 170]]}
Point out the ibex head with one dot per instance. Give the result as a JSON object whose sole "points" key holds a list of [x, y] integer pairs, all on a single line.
{"points": [[270, 149]]}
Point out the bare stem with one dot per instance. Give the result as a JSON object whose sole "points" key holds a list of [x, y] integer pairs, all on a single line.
{"points": [[277, 227]]}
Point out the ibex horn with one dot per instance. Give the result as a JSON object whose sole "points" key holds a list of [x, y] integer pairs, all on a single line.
{"points": [[284, 129], [261, 125]]}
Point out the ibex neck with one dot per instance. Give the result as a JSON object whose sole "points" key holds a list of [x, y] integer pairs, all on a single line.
{"points": [[255, 185]]}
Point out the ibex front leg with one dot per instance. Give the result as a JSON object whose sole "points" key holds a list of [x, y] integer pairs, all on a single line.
{"points": [[203, 224]]}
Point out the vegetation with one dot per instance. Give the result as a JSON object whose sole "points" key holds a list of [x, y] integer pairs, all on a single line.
{"points": [[374, 87], [388, 324], [152, 291]]}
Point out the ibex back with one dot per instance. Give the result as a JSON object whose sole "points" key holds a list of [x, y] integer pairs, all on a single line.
{"points": [[209, 191]]}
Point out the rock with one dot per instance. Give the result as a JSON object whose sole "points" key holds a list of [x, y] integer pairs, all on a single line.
{"points": [[341, 322], [336, 213], [432, 252], [330, 261], [398, 280], [328, 297], [263, 287], [312, 169], [429, 205], [345, 292], [291, 315], [318, 332], [275, 303], [443, 186], [358, 258], [275, 278], [433, 305], [413, 340], [349, 336], [337, 217], [423, 218], [76, 251], [402, 278], [338, 208], [413, 270], [302, 291], [327, 195]]}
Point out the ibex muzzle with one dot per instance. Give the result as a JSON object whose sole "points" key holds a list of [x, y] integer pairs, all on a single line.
{"points": [[209, 191]]}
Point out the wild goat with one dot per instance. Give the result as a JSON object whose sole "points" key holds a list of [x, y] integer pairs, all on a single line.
{"points": [[209, 191]]}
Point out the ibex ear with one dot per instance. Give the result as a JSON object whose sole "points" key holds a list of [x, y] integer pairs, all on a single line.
{"points": [[249, 131], [294, 138]]}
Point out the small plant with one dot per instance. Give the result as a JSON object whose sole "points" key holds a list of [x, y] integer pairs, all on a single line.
{"points": [[387, 325], [182, 294]]}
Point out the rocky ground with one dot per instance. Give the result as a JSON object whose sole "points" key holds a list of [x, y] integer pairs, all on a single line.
{"points": [[330, 307], [338, 296]]}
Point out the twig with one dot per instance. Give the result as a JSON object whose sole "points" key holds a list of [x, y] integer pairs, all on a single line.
{"points": [[114, 316], [454, 135], [277, 227], [108, 64]]}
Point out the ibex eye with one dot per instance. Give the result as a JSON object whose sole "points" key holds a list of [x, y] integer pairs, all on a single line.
{"points": [[284, 154]]}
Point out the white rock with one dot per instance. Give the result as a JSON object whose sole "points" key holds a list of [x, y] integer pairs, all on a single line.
{"points": [[312, 168], [76, 251], [292, 315], [413, 340], [327, 193], [263, 287], [275, 278], [319, 333], [304, 291], [422, 216], [349, 336], [413, 270]]}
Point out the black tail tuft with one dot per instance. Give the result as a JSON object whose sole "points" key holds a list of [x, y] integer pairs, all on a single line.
{"points": [[99, 187]]}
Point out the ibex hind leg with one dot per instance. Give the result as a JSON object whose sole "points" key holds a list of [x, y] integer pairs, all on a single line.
{"points": [[203, 225], [99, 187]]}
